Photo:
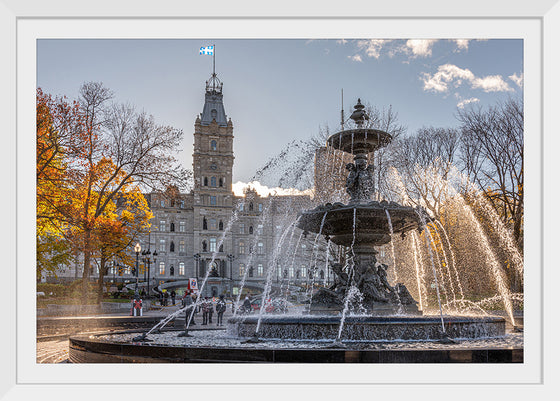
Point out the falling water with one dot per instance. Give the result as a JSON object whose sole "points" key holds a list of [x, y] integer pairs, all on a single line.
{"points": [[351, 289], [423, 220], [419, 270], [395, 276], [315, 260], [325, 278], [491, 259], [446, 264], [270, 269], [253, 247], [444, 231]]}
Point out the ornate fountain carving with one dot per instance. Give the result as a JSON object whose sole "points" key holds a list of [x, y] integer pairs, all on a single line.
{"points": [[361, 225]]}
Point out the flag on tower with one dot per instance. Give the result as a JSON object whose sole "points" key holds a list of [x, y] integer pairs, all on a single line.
{"points": [[209, 50]]}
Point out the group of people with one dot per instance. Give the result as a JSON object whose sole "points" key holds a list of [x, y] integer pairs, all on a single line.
{"points": [[164, 297], [207, 308]]}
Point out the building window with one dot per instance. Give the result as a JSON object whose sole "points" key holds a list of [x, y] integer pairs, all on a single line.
{"points": [[221, 248], [250, 206], [241, 228], [171, 271], [204, 224], [213, 200], [241, 206], [161, 268], [250, 271], [260, 270], [213, 181], [221, 182], [212, 224], [260, 207], [182, 203], [291, 271], [260, 248], [212, 244], [213, 145], [172, 227], [241, 248], [205, 181], [181, 268], [303, 271], [182, 246], [182, 226], [162, 225], [221, 226], [172, 247], [241, 269], [204, 246], [162, 245], [250, 229], [162, 203], [260, 229]]}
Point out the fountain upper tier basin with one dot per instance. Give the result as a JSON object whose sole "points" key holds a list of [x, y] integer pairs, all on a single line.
{"points": [[359, 140], [371, 222]]}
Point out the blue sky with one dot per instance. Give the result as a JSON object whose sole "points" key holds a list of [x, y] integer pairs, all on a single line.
{"points": [[276, 91]]}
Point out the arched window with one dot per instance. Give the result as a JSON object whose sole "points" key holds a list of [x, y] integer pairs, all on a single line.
{"points": [[172, 247], [204, 246], [221, 225], [221, 182], [241, 248], [162, 268], [205, 181], [181, 268], [241, 269], [212, 244], [204, 224], [221, 248], [250, 229], [213, 145], [213, 181], [251, 206], [172, 227]]}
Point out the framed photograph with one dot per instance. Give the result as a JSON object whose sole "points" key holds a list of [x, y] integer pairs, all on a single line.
{"points": [[283, 114]]}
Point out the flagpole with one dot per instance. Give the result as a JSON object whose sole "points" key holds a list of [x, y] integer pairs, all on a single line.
{"points": [[214, 64]]}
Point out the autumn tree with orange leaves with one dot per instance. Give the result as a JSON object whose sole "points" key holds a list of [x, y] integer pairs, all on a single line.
{"points": [[112, 155]]}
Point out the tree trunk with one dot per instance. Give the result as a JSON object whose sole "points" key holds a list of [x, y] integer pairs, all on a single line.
{"points": [[87, 265], [102, 272]]}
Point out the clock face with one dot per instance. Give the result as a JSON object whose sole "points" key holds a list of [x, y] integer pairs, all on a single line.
{"points": [[213, 167]]}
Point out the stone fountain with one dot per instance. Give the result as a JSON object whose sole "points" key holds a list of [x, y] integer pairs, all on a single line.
{"points": [[360, 226]]}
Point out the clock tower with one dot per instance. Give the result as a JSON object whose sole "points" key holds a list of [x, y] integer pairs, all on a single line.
{"points": [[213, 196]]}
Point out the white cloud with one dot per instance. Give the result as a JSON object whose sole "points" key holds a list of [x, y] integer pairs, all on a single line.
{"points": [[491, 83], [518, 79], [356, 57], [464, 102], [420, 47], [239, 187], [372, 47], [451, 75], [462, 44], [342, 41]]}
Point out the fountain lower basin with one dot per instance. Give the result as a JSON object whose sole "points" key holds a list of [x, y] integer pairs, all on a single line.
{"points": [[367, 328]]}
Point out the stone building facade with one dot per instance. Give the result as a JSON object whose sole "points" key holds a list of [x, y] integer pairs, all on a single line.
{"points": [[210, 231]]}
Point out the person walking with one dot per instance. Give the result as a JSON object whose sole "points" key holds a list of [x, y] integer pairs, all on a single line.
{"points": [[205, 310], [247, 305], [188, 303], [220, 309], [165, 298], [210, 310], [173, 295]]}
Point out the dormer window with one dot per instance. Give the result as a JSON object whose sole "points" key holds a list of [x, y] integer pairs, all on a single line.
{"points": [[213, 145]]}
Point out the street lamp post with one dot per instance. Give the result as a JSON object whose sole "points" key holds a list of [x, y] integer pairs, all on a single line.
{"points": [[137, 249]]}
